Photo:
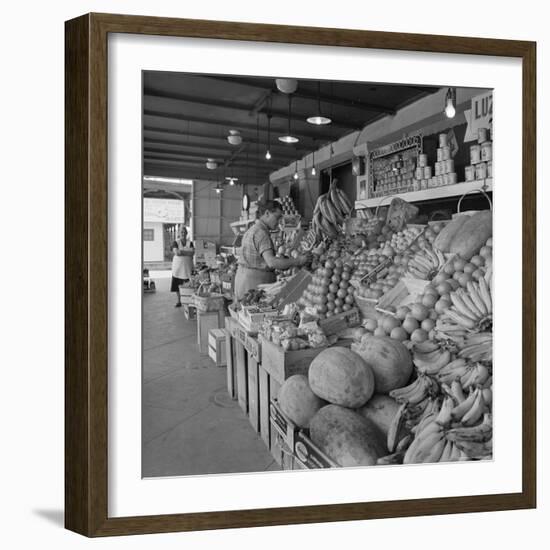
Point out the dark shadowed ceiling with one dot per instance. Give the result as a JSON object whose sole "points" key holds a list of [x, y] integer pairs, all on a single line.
{"points": [[187, 118]]}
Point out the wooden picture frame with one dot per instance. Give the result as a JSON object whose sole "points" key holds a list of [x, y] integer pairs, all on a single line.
{"points": [[86, 283]]}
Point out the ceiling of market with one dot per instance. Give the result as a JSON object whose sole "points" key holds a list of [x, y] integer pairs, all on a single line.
{"points": [[187, 118]]}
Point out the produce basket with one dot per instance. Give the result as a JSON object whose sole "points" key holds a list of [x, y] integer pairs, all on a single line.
{"points": [[214, 302], [252, 317]]}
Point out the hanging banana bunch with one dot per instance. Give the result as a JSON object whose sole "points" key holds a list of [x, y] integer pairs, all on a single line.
{"points": [[331, 209]]}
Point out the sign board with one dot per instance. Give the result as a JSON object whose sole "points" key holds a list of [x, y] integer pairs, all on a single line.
{"points": [[163, 210], [479, 116]]}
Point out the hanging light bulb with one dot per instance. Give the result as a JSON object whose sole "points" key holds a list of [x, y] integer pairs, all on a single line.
{"points": [[450, 103], [313, 171], [231, 181], [296, 171], [319, 119], [289, 138]]}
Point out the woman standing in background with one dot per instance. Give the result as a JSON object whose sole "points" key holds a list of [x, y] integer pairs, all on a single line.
{"points": [[182, 262]]}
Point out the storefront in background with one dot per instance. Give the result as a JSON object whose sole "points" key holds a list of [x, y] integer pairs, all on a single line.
{"points": [[161, 221]]}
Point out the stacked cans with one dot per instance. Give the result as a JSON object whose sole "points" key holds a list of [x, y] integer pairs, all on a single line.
{"points": [[481, 158], [394, 174], [443, 172]]}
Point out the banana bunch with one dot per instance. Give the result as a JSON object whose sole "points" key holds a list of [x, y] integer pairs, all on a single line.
{"points": [[474, 441], [454, 433], [429, 357], [478, 347], [416, 392], [472, 309], [330, 211], [426, 263]]}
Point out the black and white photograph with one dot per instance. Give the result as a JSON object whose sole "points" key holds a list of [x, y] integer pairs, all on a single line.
{"points": [[317, 274]]}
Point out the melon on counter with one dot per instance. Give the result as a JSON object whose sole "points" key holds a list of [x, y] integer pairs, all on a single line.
{"points": [[297, 401], [444, 238], [473, 234], [340, 376], [389, 359], [346, 437], [380, 410]]}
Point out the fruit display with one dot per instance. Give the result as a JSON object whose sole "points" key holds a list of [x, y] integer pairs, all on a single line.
{"points": [[330, 212], [330, 291], [429, 353]]}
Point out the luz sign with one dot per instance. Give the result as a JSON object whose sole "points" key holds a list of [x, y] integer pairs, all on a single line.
{"points": [[479, 116]]}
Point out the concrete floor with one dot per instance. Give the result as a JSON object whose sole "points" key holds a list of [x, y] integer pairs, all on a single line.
{"points": [[189, 423]]}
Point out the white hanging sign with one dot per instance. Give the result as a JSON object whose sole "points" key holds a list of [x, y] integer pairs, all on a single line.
{"points": [[479, 116]]}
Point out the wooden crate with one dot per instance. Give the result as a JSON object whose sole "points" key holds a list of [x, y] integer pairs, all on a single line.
{"points": [[216, 346], [281, 364], [282, 424], [308, 455], [231, 375], [206, 321], [341, 321]]}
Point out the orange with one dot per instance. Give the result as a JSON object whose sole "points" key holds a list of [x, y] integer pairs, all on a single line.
{"points": [[419, 312], [410, 324], [399, 333], [419, 335]]}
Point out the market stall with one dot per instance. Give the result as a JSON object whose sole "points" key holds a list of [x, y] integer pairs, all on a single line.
{"points": [[379, 351]]}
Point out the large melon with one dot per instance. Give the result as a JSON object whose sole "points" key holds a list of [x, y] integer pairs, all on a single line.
{"points": [[389, 359], [340, 376], [346, 437], [297, 401], [473, 234], [444, 238], [380, 410]]}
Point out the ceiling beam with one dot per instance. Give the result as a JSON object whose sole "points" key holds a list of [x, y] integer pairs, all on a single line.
{"points": [[206, 149], [275, 143], [319, 136], [159, 168], [325, 98], [192, 162], [275, 113]]}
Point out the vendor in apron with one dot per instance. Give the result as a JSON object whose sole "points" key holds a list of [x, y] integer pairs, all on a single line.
{"points": [[257, 261], [182, 262]]}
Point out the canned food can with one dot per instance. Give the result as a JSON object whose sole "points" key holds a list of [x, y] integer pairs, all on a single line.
{"points": [[490, 169], [437, 167], [445, 179], [416, 185], [487, 151], [427, 172], [446, 153], [422, 160], [470, 173], [443, 140], [481, 171], [439, 154], [475, 154], [449, 166], [481, 135], [440, 181], [452, 178], [424, 184]]}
